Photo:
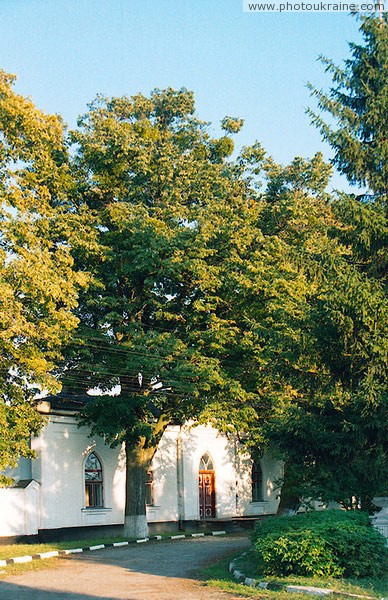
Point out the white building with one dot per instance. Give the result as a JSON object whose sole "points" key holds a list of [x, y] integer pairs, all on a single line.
{"points": [[77, 482]]}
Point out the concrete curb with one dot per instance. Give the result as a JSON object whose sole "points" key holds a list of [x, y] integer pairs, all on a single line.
{"points": [[58, 553], [278, 587]]}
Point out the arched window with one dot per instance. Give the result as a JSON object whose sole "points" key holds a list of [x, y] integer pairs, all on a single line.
{"points": [[257, 482], [206, 463], [93, 482]]}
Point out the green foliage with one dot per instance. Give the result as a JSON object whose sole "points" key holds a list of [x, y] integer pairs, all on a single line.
{"points": [[232, 124], [308, 299], [297, 553], [358, 103], [237, 292], [332, 542], [166, 208], [309, 337], [38, 280], [352, 315], [161, 199]]}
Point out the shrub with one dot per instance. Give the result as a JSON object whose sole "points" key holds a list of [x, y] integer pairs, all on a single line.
{"points": [[296, 553], [323, 543]]}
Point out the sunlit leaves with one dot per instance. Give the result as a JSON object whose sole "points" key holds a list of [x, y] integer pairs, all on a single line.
{"points": [[39, 281]]}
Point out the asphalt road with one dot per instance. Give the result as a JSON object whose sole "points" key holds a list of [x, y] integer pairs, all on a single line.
{"points": [[165, 570]]}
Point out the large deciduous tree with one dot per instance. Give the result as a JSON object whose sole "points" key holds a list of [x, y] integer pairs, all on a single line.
{"points": [[39, 284], [163, 201]]}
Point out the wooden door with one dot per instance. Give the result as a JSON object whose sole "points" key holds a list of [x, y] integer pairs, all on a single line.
{"points": [[207, 494]]}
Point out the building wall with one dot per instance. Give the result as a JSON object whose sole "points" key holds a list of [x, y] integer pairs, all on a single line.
{"points": [[62, 449], [175, 467], [19, 510], [55, 498], [272, 471], [198, 441]]}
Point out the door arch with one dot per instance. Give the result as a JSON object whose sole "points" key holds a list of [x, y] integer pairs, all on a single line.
{"points": [[206, 488]]}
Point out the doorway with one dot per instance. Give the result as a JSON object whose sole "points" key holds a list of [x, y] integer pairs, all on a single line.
{"points": [[206, 488]]}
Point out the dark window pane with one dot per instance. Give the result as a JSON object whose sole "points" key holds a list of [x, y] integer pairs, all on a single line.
{"points": [[257, 482], [149, 490]]}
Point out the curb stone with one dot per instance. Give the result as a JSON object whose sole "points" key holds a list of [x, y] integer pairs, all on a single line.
{"points": [[56, 553], [277, 587]]}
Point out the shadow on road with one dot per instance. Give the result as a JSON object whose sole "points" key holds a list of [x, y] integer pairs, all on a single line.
{"points": [[10, 591], [159, 570], [170, 559]]}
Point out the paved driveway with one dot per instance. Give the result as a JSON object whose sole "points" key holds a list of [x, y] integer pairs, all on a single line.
{"points": [[164, 570]]}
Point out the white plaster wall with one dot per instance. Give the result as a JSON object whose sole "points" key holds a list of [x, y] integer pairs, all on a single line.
{"points": [[164, 466], [59, 500], [196, 442], [272, 471], [19, 509], [232, 476], [62, 448]]}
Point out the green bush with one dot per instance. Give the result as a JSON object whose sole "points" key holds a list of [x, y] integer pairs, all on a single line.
{"points": [[296, 553], [331, 542]]}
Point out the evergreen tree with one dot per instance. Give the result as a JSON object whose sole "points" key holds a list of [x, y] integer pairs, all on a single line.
{"points": [[358, 105], [358, 314]]}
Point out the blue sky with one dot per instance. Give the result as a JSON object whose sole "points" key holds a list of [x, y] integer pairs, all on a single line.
{"points": [[250, 65]]}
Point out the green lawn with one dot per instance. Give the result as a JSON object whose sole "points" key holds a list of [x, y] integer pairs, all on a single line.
{"points": [[218, 575], [13, 550], [35, 565]]}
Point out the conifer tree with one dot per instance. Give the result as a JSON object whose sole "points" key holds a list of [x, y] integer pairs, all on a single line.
{"points": [[358, 105]]}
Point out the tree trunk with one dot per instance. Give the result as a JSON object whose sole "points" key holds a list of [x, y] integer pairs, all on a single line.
{"points": [[290, 502], [138, 460]]}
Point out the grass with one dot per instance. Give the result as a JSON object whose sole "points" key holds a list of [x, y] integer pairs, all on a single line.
{"points": [[217, 575], [35, 565], [13, 550]]}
